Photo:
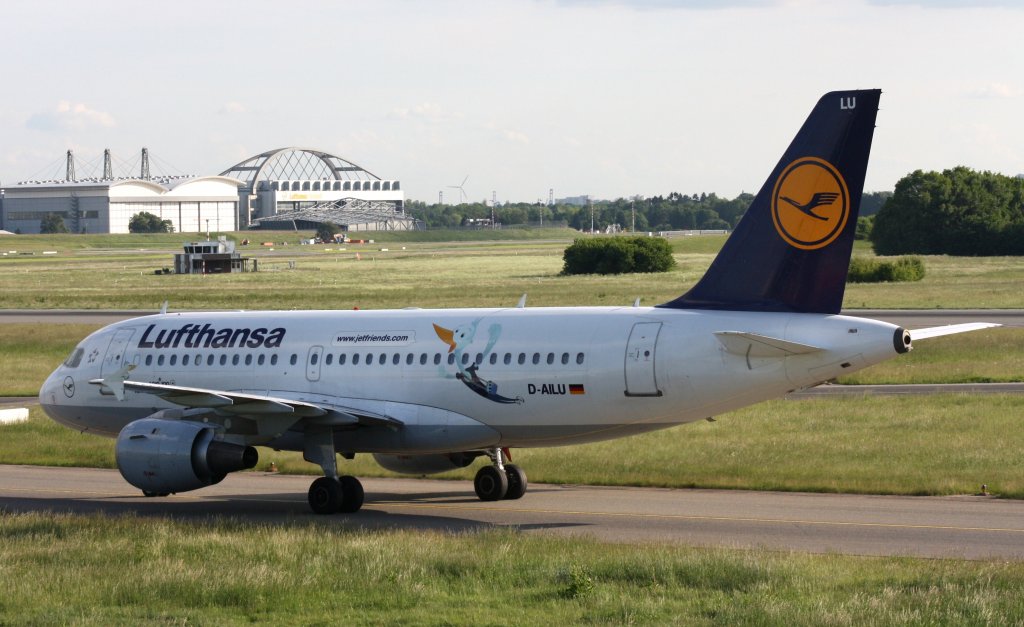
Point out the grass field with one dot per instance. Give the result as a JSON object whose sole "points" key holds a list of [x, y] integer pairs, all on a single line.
{"points": [[96, 272], [95, 570]]}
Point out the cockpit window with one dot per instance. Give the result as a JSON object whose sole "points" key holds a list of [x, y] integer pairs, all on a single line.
{"points": [[74, 358]]}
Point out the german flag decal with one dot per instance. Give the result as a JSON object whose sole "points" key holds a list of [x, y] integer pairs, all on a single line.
{"points": [[576, 388]]}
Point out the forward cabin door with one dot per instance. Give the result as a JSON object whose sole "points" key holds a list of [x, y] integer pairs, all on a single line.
{"points": [[115, 357], [313, 363], [641, 378]]}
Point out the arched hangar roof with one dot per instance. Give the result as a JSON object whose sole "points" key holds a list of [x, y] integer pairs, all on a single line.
{"points": [[294, 163]]}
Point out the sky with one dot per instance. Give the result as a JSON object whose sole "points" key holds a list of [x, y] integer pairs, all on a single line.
{"points": [[607, 98]]}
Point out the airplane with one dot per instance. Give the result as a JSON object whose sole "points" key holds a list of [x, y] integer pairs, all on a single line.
{"points": [[189, 395]]}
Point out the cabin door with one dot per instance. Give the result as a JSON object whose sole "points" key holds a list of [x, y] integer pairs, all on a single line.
{"points": [[115, 357], [641, 378], [313, 363]]}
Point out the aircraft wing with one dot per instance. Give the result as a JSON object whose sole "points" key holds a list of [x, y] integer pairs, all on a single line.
{"points": [[950, 329], [250, 405]]}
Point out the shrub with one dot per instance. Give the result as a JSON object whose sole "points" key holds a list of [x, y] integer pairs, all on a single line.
{"points": [[864, 270], [617, 255]]}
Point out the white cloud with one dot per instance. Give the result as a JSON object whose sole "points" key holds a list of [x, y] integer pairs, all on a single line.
{"points": [[232, 107], [996, 91], [516, 136], [70, 116], [427, 111]]}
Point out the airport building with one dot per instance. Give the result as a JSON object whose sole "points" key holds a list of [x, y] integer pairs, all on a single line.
{"points": [[292, 188]]}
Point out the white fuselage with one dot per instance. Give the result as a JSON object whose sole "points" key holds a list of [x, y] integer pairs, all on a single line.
{"points": [[463, 379]]}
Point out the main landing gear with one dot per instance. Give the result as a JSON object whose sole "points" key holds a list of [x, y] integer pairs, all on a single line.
{"points": [[500, 480], [330, 494]]}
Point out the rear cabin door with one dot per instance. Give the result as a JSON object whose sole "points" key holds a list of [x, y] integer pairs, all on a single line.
{"points": [[641, 378]]}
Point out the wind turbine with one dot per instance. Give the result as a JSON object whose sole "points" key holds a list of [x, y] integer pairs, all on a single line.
{"points": [[462, 192]]}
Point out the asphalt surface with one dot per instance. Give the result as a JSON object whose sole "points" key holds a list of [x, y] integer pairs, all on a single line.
{"points": [[961, 527]]}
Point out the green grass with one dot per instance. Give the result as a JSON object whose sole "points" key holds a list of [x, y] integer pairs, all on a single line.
{"points": [[990, 356], [941, 445], [428, 269], [100, 570]]}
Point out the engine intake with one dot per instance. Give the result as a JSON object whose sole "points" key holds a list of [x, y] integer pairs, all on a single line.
{"points": [[168, 456]]}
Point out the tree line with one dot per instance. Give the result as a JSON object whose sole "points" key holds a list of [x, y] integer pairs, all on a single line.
{"points": [[673, 212]]}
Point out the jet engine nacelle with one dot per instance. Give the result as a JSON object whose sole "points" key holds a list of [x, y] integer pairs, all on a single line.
{"points": [[167, 456], [425, 464]]}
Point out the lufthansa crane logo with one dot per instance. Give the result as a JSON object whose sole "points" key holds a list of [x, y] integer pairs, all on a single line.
{"points": [[810, 203]]}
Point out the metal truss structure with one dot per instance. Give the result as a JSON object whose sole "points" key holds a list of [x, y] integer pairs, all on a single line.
{"points": [[351, 213], [296, 163]]}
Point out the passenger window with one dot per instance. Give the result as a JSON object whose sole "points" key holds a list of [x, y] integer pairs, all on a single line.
{"points": [[494, 358], [341, 359], [551, 358], [579, 358], [536, 358], [209, 359], [409, 359], [294, 359], [465, 358], [149, 360], [479, 359], [160, 360], [234, 359], [383, 359], [369, 358], [184, 361], [314, 359], [397, 358], [423, 359], [451, 358], [273, 359], [260, 359], [522, 358], [565, 358], [437, 358], [223, 360], [174, 360], [329, 360], [355, 359], [508, 358], [248, 359]]}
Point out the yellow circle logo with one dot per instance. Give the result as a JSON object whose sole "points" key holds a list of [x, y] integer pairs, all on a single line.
{"points": [[810, 203]]}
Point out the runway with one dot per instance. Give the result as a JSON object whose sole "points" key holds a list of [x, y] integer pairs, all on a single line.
{"points": [[962, 527]]}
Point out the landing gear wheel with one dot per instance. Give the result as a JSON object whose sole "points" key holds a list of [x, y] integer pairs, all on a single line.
{"points": [[490, 484], [516, 482], [325, 495], [353, 495]]}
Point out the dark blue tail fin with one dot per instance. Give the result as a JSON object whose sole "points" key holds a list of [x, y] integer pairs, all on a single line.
{"points": [[791, 250]]}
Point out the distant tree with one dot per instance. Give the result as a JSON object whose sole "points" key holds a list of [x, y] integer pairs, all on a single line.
{"points": [[953, 212], [326, 231], [145, 222], [864, 225], [53, 223]]}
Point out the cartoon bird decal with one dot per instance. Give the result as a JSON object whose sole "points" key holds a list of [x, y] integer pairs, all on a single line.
{"points": [[458, 339]]}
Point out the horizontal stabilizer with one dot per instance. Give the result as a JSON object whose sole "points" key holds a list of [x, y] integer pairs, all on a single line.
{"points": [[753, 345], [950, 329]]}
